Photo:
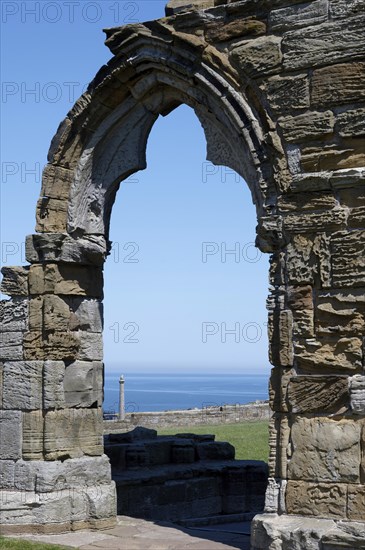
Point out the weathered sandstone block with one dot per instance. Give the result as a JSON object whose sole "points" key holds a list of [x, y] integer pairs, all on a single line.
{"points": [[51, 215], [351, 123], [7, 473], [15, 281], [287, 532], [33, 432], [60, 247], [279, 381], [22, 385], [88, 314], [309, 394], [300, 301], [341, 311], [340, 354], [10, 435], [56, 181], [52, 312], [261, 56], [328, 500], [43, 247], [270, 234], [66, 279], [72, 433], [279, 433], [324, 44], [77, 472], [328, 220], [91, 346], [338, 84], [299, 202], [307, 126], [286, 94], [343, 8], [348, 259], [357, 394], [56, 314], [11, 345], [57, 346], [215, 450], [308, 260], [13, 315], [24, 475], [348, 154], [280, 337], [36, 314], [216, 32], [301, 15], [356, 219], [356, 502], [79, 384], [31, 508], [101, 501], [331, 449]]}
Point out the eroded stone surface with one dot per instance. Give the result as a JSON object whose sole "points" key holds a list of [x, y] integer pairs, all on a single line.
{"points": [[22, 385], [262, 55], [13, 315], [307, 394], [325, 450], [336, 354], [10, 435], [33, 433], [15, 281], [72, 433], [326, 500]]}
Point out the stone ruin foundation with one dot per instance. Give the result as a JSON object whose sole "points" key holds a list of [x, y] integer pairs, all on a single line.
{"points": [[184, 478], [278, 87]]}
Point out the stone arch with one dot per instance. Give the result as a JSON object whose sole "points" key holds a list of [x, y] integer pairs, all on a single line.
{"points": [[103, 139], [284, 108]]}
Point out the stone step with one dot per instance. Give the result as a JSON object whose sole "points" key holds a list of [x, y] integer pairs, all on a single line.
{"points": [[225, 520]]}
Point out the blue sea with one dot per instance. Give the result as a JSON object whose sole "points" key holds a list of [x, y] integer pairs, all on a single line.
{"points": [[161, 392]]}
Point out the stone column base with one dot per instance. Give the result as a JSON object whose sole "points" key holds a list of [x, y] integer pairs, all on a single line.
{"points": [[289, 532], [92, 507]]}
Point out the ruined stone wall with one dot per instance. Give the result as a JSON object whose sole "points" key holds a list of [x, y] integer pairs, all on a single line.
{"points": [[279, 89], [230, 414]]}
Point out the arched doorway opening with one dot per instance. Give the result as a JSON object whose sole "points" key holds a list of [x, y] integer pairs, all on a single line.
{"points": [[178, 294], [183, 327]]}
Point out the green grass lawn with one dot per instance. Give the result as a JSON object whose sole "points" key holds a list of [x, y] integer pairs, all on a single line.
{"points": [[250, 438], [19, 544]]}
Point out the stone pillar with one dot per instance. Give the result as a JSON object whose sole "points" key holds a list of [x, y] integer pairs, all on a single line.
{"points": [[54, 473], [121, 399]]}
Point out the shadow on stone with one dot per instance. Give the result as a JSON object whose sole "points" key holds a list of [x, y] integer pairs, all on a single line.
{"points": [[188, 479]]}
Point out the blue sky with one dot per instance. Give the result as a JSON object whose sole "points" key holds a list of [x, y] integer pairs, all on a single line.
{"points": [[176, 299]]}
